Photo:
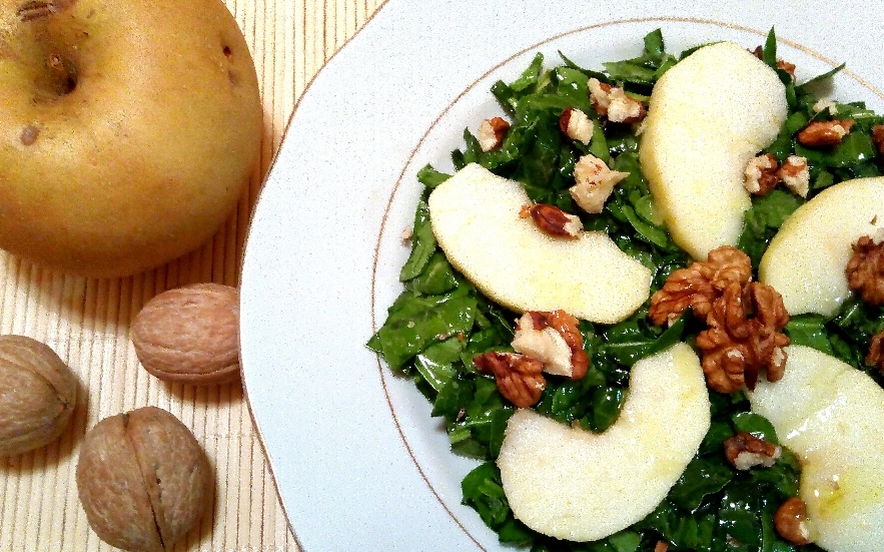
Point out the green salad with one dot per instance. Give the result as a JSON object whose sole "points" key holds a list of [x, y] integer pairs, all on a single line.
{"points": [[440, 322]]}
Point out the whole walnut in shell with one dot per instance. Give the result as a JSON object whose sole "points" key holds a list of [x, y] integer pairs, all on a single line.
{"points": [[190, 334], [37, 394], [143, 480]]}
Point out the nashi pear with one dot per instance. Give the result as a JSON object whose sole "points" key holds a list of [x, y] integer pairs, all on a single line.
{"points": [[128, 130], [475, 218], [708, 116], [574, 484], [832, 416], [806, 259]]}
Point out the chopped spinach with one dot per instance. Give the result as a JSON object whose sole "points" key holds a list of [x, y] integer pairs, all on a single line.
{"points": [[440, 321]]}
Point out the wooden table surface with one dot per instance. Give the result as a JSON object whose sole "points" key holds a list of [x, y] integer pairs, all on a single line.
{"points": [[87, 323]]}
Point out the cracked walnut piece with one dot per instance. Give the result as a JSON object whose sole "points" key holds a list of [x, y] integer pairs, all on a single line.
{"points": [[613, 103], [865, 270], [519, 378], [698, 285], [824, 133], [745, 451], [760, 176], [491, 133], [878, 138], [782, 64], [594, 182], [554, 339], [790, 521], [576, 125], [744, 336], [553, 221], [795, 175], [875, 356], [763, 174]]}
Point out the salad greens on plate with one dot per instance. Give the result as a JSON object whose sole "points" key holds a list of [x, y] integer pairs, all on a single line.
{"points": [[440, 322]]}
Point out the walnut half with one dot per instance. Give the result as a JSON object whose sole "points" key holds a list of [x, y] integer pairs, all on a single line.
{"points": [[519, 378], [744, 318], [744, 337]]}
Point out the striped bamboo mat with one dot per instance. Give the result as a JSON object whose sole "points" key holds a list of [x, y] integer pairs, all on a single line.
{"points": [[87, 323]]}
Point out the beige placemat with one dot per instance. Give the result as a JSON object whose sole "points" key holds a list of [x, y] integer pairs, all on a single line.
{"points": [[87, 322]]}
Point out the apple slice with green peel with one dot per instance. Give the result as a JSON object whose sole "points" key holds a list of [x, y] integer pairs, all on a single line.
{"points": [[806, 259], [573, 484], [708, 116], [832, 416], [475, 216]]}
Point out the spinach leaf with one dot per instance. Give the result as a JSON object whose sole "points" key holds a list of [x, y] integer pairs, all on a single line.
{"points": [[809, 330], [436, 362], [755, 424], [437, 277], [430, 177], [416, 321], [423, 243], [701, 478], [855, 149], [482, 488], [763, 220]]}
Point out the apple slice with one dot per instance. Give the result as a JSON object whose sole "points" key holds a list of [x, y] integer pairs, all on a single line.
{"points": [[805, 261], [475, 218], [832, 416], [574, 484], [708, 116]]}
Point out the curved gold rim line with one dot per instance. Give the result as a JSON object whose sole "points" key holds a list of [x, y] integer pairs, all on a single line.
{"points": [[251, 412], [374, 319]]}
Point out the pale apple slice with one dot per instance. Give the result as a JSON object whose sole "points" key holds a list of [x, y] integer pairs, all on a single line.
{"points": [[832, 416], [806, 259], [475, 218], [574, 484], [708, 116]]}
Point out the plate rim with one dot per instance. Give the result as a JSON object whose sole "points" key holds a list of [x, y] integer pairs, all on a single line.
{"points": [[398, 182]]}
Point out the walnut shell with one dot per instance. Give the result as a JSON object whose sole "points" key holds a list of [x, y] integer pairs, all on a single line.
{"points": [[190, 334], [143, 480], [37, 394]]}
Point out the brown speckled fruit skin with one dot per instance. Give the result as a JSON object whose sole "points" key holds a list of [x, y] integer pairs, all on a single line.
{"points": [[38, 393], [137, 148], [143, 480], [190, 334]]}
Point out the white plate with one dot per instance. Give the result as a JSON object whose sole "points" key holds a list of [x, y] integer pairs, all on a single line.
{"points": [[359, 463]]}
